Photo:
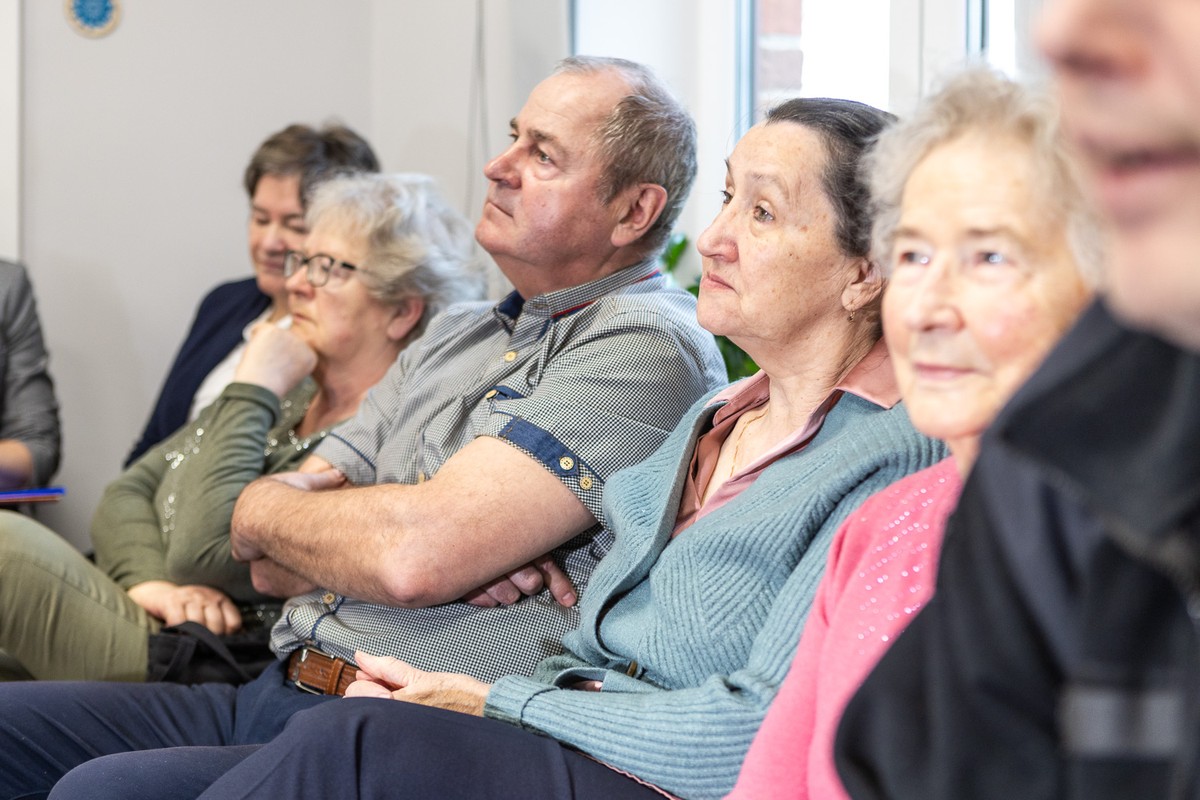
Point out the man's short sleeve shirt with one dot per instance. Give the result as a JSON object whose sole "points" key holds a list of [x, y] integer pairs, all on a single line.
{"points": [[586, 381]]}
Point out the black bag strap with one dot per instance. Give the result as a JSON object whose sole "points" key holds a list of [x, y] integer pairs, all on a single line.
{"points": [[174, 648]]}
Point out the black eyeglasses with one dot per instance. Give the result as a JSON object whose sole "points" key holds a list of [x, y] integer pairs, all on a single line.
{"points": [[319, 268]]}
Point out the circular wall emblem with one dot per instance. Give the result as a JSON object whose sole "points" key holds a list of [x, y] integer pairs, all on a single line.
{"points": [[93, 17]]}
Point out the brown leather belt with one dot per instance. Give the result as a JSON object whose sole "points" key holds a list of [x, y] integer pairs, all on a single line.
{"points": [[313, 671]]}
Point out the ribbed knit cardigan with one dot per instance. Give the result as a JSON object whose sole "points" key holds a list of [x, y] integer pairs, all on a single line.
{"points": [[692, 636]]}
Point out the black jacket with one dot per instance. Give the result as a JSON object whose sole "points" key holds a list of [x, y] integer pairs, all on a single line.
{"points": [[1058, 657], [220, 320]]}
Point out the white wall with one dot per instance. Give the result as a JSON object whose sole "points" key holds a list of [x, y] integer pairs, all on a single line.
{"points": [[133, 149], [122, 191], [133, 146], [10, 127], [422, 66]]}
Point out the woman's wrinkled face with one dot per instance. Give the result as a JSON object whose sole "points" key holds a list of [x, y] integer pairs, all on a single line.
{"points": [[982, 285], [341, 319], [771, 257]]}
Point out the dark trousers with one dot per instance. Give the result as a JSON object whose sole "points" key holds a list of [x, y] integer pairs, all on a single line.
{"points": [[365, 748], [129, 741]]}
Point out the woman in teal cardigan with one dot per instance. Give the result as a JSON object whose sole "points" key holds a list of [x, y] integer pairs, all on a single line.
{"points": [[375, 272], [689, 623]]}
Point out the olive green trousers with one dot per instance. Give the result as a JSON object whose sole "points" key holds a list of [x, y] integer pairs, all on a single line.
{"points": [[61, 617]]}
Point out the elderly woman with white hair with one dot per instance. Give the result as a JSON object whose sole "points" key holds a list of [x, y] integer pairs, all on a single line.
{"points": [[991, 252], [384, 254]]}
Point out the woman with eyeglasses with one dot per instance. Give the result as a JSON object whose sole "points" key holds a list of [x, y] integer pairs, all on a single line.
{"points": [[384, 254]]}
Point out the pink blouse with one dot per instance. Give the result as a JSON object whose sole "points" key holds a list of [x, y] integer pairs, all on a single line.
{"points": [[872, 378]]}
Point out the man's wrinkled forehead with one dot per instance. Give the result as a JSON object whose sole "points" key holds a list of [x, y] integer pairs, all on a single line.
{"points": [[583, 97], [568, 110]]}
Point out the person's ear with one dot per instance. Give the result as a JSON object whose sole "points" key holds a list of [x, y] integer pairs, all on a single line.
{"points": [[405, 318], [641, 205], [866, 282]]}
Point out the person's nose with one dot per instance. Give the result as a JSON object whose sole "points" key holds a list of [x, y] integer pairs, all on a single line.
{"points": [[275, 239], [504, 168], [717, 241], [1092, 38], [933, 302], [297, 283]]}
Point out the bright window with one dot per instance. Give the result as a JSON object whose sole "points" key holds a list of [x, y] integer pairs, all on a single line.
{"points": [[1005, 35], [816, 48]]}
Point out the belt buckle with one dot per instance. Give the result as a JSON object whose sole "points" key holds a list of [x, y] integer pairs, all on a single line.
{"points": [[304, 687]]}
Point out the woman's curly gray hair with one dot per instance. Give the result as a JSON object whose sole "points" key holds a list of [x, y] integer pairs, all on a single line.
{"points": [[417, 245], [979, 100]]}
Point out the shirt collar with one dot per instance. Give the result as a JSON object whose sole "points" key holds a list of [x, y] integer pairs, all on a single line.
{"points": [[872, 379], [566, 301]]}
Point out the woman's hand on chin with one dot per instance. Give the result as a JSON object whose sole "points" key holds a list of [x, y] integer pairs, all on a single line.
{"points": [[275, 359]]}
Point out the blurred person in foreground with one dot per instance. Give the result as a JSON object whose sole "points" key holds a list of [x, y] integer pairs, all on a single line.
{"points": [[980, 286], [1058, 658]]}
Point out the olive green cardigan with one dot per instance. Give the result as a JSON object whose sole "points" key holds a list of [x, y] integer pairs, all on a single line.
{"points": [[167, 516]]}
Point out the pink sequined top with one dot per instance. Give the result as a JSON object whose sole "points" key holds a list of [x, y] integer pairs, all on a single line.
{"points": [[882, 565]]}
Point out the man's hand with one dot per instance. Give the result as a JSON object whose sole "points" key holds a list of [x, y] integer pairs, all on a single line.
{"points": [[173, 604], [384, 677], [275, 359], [541, 573]]}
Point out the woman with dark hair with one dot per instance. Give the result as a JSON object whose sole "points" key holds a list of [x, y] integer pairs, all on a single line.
{"points": [[689, 622], [279, 182]]}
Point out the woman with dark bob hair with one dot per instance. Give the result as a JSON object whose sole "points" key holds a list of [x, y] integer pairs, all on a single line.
{"points": [[689, 622]]}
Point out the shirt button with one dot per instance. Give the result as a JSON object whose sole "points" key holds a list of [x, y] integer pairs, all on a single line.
{"points": [[566, 462], [491, 393], [328, 598], [632, 669], [421, 477], [511, 355], [585, 482]]}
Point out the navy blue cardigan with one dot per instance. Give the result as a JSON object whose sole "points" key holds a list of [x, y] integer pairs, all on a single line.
{"points": [[222, 316]]}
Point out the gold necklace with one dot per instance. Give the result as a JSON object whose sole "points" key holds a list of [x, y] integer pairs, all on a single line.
{"points": [[737, 444]]}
